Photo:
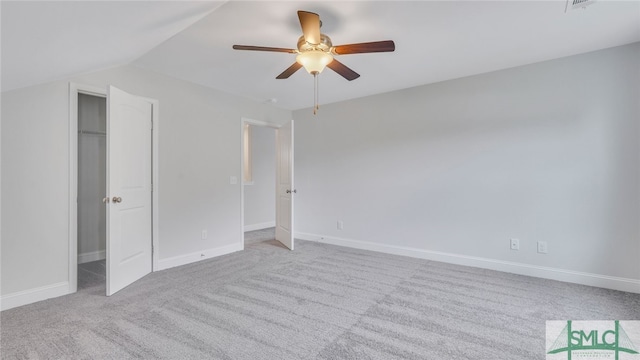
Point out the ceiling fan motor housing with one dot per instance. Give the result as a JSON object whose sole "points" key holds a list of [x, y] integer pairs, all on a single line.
{"points": [[325, 44]]}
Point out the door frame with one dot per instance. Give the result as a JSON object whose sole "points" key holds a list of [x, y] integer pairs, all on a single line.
{"points": [[243, 122], [74, 90]]}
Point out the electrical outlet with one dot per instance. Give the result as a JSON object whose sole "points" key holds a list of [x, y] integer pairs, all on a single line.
{"points": [[340, 224], [204, 234], [515, 244], [542, 247]]}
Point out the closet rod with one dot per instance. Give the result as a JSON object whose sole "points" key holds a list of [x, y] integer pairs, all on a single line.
{"points": [[89, 132]]}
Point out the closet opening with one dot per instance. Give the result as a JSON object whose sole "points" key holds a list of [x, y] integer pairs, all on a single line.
{"points": [[92, 176]]}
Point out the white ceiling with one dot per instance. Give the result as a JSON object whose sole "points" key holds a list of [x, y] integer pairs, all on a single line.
{"points": [[50, 40], [435, 41]]}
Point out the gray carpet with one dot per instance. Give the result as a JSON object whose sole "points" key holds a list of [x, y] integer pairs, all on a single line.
{"points": [[317, 302]]}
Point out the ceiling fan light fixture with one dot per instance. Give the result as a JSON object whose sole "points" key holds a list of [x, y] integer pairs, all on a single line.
{"points": [[314, 61]]}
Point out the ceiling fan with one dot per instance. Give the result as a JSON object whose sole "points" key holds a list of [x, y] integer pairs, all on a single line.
{"points": [[315, 50]]}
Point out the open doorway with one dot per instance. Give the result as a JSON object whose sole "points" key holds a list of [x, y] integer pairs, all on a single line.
{"points": [[92, 170], [283, 192], [259, 183]]}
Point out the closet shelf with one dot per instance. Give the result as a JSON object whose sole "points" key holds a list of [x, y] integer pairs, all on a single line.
{"points": [[89, 132]]}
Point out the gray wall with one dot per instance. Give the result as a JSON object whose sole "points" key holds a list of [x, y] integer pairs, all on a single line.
{"points": [[544, 152], [260, 196], [548, 151], [200, 147]]}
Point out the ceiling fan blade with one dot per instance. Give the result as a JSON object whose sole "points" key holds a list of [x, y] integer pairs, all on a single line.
{"points": [[264, 48], [361, 48], [290, 70], [343, 70], [310, 23]]}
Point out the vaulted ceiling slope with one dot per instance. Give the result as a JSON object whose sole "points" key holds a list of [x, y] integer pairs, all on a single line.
{"points": [[435, 41], [44, 41]]}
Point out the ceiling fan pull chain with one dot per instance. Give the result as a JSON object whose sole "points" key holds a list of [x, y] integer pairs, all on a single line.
{"points": [[315, 94]]}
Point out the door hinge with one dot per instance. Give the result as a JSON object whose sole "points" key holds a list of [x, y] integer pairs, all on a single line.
{"points": [[151, 124], [151, 187]]}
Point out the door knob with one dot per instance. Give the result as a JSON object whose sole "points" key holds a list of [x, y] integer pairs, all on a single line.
{"points": [[105, 200], [117, 199], [290, 191]]}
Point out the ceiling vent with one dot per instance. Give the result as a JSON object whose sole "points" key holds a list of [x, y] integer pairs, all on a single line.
{"points": [[578, 4]]}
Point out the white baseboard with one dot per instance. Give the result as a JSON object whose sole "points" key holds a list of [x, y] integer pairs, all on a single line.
{"points": [[197, 256], [91, 256], [577, 277], [26, 297], [264, 225], [30, 296]]}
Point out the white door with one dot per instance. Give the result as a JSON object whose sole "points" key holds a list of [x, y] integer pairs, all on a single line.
{"points": [[284, 185], [129, 124]]}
